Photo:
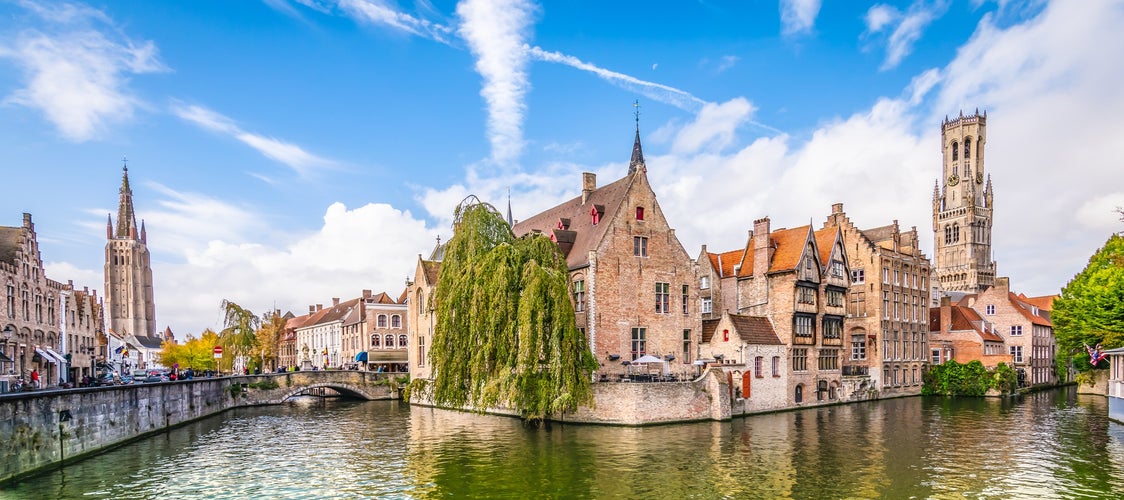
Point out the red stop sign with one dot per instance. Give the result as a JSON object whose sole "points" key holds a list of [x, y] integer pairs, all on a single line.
{"points": [[218, 349]]}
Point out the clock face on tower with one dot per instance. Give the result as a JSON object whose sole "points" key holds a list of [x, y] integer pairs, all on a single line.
{"points": [[953, 180]]}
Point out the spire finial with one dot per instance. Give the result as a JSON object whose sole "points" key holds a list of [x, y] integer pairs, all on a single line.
{"points": [[637, 161], [125, 163], [636, 112]]}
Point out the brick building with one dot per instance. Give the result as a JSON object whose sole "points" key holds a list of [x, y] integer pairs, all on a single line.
{"points": [[387, 327], [30, 319], [1027, 329], [420, 317], [83, 332], [798, 279], [633, 284], [887, 307], [959, 333], [752, 356]]}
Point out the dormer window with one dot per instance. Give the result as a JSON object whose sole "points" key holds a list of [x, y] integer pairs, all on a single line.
{"points": [[639, 213], [595, 213], [564, 223]]}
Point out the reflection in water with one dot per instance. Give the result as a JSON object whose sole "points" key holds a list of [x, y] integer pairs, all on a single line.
{"points": [[1051, 444]]}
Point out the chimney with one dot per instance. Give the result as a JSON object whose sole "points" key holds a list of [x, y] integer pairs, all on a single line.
{"points": [[27, 221], [946, 315], [762, 251], [335, 301], [319, 306], [589, 184], [311, 309], [836, 208], [366, 294]]}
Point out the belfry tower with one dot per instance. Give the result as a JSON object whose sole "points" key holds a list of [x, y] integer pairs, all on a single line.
{"points": [[128, 271], [962, 208]]}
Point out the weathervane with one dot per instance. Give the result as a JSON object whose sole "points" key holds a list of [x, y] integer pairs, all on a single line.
{"points": [[636, 111], [125, 162]]}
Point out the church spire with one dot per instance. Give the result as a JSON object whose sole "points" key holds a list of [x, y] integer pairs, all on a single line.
{"points": [[510, 221], [637, 161], [126, 219]]}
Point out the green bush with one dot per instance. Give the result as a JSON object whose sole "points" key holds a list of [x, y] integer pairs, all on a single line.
{"points": [[969, 379]]}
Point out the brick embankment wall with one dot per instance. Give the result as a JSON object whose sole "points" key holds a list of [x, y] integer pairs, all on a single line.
{"points": [[643, 403]]}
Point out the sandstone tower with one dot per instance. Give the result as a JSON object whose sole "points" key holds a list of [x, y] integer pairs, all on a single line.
{"points": [[962, 208], [128, 271]]}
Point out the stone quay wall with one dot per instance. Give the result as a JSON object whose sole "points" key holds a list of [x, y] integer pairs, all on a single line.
{"points": [[642, 403], [40, 429]]}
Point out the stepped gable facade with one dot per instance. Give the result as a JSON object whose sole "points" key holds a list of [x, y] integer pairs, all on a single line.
{"points": [[633, 285], [887, 336]]}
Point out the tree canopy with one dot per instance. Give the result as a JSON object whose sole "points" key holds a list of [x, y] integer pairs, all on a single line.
{"points": [[505, 331], [239, 331], [195, 353], [1090, 310]]}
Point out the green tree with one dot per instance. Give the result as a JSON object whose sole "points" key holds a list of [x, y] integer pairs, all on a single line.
{"points": [[195, 353], [505, 331], [267, 337], [1090, 310], [239, 329]]}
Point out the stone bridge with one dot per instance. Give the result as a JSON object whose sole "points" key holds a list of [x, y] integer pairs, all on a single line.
{"points": [[275, 388], [41, 428]]}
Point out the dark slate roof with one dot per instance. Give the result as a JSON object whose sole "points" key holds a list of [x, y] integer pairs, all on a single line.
{"points": [[586, 236], [149, 342], [9, 244], [432, 269], [708, 328], [755, 329], [878, 233]]}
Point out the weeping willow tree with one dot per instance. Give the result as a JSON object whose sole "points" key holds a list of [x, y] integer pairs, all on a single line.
{"points": [[505, 332]]}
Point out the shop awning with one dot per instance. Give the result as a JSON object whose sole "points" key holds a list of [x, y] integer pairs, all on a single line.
{"points": [[60, 357], [4, 358], [395, 356], [361, 357], [46, 357]]}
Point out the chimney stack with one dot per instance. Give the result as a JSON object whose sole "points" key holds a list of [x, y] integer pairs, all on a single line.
{"points": [[319, 307], [589, 184], [311, 309], [366, 294], [335, 301], [836, 208]]}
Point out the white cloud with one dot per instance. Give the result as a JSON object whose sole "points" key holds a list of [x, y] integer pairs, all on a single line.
{"points": [[1049, 84], [799, 16], [496, 33], [910, 25], [879, 16], [714, 126], [655, 91], [206, 250], [76, 69], [379, 13], [726, 63], [286, 153]]}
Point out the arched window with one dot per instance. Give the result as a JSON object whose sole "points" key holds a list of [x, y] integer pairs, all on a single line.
{"points": [[389, 341], [967, 148], [396, 321], [955, 151], [402, 340], [382, 321], [375, 341], [798, 396]]}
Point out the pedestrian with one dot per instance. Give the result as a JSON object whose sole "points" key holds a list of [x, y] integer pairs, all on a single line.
{"points": [[85, 380], [35, 378]]}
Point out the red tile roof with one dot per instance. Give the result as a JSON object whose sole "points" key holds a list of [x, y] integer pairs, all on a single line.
{"points": [[825, 242], [755, 330], [1026, 309], [725, 262], [1045, 302], [789, 244]]}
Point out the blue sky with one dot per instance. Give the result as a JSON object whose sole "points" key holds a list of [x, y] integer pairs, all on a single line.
{"points": [[283, 152]]}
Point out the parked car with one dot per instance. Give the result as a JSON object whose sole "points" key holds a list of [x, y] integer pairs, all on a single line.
{"points": [[156, 376], [103, 379]]}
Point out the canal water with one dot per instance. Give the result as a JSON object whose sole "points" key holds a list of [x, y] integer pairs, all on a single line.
{"points": [[1046, 445]]}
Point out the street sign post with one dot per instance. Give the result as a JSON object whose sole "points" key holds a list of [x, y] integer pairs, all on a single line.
{"points": [[218, 351]]}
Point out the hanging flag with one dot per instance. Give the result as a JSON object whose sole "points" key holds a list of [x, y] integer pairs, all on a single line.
{"points": [[118, 349], [1096, 354]]}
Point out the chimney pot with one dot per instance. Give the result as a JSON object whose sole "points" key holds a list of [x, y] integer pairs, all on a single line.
{"points": [[837, 208], [335, 301]]}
